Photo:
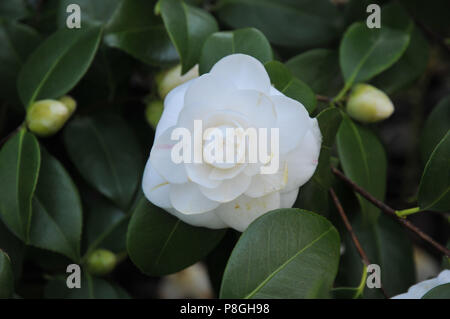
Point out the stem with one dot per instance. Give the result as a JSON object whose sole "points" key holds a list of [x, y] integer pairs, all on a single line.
{"points": [[405, 212], [358, 246], [349, 227], [342, 92], [323, 98], [362, 284], [391, 212]]}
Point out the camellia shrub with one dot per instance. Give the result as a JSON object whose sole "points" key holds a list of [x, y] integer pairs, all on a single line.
{"points": [[229, 149]]}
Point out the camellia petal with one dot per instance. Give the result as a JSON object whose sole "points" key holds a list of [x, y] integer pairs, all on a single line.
{"points": [[228, 190], [173, 103], [208, 219], [287, 200], [293, 121], [199, 173], [161, 159], [188, 199], [302, 161], [246, 72], [241, 212], [155, 188]]}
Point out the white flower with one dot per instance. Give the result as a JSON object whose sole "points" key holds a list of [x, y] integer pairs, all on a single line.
{"points": [[419, 290], [236, 93]]}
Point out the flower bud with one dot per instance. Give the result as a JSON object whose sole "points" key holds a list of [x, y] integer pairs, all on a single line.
{"points": [[46, 117], [101, 262], [368, 104], [69, 102], [171, 78], [153, 112]]}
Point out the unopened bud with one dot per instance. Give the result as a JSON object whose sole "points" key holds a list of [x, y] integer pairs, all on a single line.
{"points": [[69, 102], [153, 112], [169, 79], [46, 117], [368, 104], [101, 262]]}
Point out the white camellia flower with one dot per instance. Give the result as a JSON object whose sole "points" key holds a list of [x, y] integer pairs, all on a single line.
{"points": [[237, 93], [419, 290]]}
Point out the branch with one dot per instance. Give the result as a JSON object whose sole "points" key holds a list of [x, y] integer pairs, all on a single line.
{"points": [[349, 227], [391, 212]]}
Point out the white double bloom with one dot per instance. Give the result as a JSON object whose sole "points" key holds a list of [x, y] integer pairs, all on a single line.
{"points": [[236, 94]]}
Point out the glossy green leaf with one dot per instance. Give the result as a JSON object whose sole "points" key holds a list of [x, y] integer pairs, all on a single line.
{"points": [[290, 23], [160, 244], [92, 12], [188, 28], [364, 161], [386, 244], [439, 292], [110, 159], [365, 52], [283, 80], [91, 288], [18, 41], [14, 247], [56, 66], [319, 68], [286, 253], [410, 66], [247, 41], [136, 30], [106, 224], [6, 276], [13, 9], [434, 188], [57, 212], [314, 195], [435, 128], [19, 169]]}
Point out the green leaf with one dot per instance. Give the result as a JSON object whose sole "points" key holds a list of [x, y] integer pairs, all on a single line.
{"points": [[247, 41], [18, 41], [56, 66], [91, 288], [19, 169], [289, 23], [434, 188], [13, 9], [6, 276], [286, 83], [92, 12], [314, 194], [386, 244], [106, 225], [12, 246], [435, 128], [410, 66], [160, 244], [439, 292], [57, 213], [365, 52], [364, 161], [319, 68], [136, 30], [188, 28], [286, 253], [110, 159]]}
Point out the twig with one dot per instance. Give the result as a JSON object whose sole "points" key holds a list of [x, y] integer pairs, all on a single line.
{"points": [[323, 98], [349, 227], [389, 211]]}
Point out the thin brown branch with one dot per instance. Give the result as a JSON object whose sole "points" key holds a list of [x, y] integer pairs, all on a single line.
{"points": [[355, 240], [323, 98], [349, 227], [391, 212]]}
